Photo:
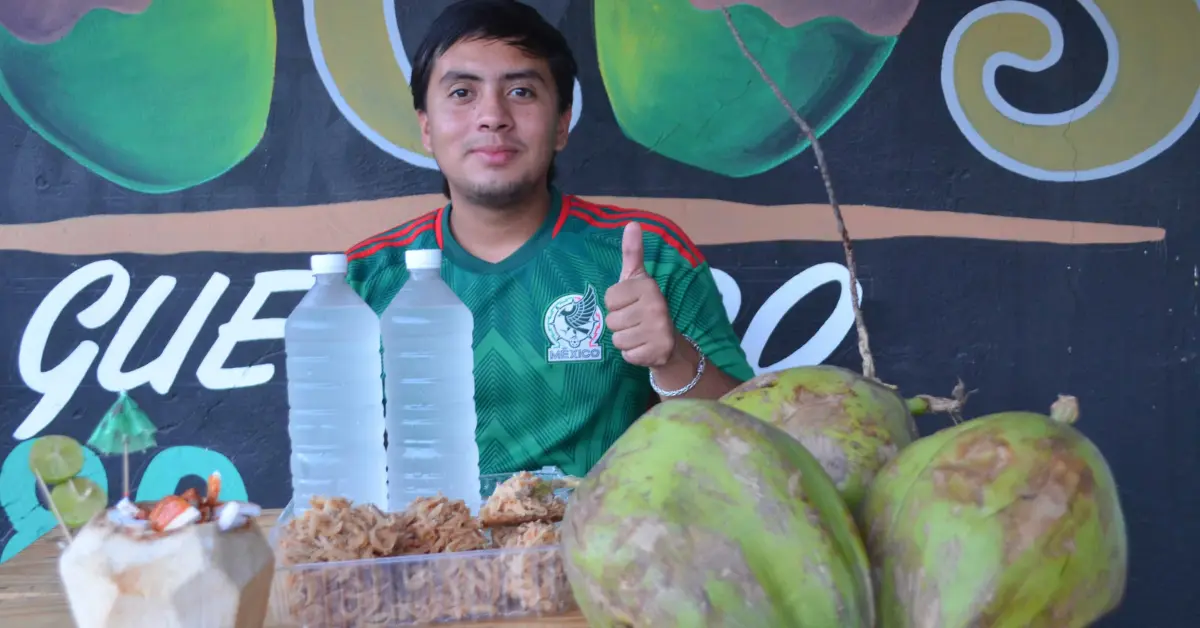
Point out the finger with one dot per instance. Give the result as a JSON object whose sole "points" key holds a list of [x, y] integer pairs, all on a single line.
{"points": [[621, 319], [620, 296], [641, 355], [627, 340], [653, 353], [633, 256]]}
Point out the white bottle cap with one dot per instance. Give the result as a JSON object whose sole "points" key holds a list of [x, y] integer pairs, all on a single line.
{"points": [[331, 263], [423, 259]]}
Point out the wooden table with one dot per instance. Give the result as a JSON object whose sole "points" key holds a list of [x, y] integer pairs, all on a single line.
{"points": [[31, 596]]}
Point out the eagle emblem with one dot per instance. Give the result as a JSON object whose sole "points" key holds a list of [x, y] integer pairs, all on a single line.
{"points": [[573, 324]]}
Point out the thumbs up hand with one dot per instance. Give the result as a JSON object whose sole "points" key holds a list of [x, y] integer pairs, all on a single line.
{"points": [[633, 253], [638, 317]]}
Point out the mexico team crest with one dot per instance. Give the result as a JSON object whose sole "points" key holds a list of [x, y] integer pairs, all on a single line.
{"points": [[574, 324]]}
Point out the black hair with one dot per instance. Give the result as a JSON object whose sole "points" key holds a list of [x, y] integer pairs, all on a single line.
{"points": [[510, 21]]}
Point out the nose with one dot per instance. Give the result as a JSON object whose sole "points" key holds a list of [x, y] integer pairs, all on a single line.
{"points": [[493, 112]]}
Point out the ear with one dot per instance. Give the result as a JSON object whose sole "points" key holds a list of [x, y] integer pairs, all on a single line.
{"points": [[423, 121], [562, 130]]}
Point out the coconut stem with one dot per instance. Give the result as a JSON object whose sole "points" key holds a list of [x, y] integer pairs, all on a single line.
{"points": [[953, 406], [1065, 409], [860, 325]]}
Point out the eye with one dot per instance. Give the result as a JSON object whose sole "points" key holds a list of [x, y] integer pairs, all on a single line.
{"points": [[522, 92], [459, 93]]}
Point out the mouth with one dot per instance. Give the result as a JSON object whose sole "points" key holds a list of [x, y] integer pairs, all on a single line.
{"points": [[495, 155]]}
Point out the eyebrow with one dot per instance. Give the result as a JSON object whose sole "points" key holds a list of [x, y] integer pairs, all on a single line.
{"points": [[459, 75]]}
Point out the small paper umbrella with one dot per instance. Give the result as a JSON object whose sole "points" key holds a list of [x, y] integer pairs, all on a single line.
{"points": [[124, 428]]}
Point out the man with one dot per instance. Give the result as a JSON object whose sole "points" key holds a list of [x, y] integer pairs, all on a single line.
{"points": [[584, 315]]}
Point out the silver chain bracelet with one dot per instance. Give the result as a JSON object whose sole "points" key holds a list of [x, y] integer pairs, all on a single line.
{"points": [[691, 384]]}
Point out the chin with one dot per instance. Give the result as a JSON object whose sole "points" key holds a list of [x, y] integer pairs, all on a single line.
{"points": [[498, 192]]}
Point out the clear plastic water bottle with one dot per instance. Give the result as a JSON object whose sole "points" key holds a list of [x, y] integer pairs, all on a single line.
{"points": [[335, 395], [429, 375]]}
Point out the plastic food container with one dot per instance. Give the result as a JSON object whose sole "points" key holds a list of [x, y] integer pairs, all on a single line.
{"points": [[420, 589]]}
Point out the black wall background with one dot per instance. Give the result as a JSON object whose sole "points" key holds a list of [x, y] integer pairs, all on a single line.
{"points": [[1114, 325]]}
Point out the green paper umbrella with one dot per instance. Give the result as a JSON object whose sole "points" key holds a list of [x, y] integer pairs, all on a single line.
{"points": [[124, 428]]}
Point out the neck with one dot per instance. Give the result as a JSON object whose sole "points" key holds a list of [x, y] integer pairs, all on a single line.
{"points": [[492, 234]]}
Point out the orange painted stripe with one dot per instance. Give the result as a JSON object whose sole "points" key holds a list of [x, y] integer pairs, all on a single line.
{"points": [[316, 228]]}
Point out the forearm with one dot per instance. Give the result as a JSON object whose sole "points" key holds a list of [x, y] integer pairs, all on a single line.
{"points": [[681, 369]]}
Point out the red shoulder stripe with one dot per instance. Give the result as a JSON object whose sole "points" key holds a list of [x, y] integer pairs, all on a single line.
{"points": [[624, 213], [612, 218], [620, 212], [399, 233], [408, 239], [563, 210], [437, 227], [651, 227]]}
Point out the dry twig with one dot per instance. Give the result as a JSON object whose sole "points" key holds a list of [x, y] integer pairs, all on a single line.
{"points": [[952, 406], [864, 345]]}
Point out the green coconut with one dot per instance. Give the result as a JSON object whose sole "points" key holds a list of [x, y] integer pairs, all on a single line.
{"points": [[1011, 520], [852, 424], [702, 516]]}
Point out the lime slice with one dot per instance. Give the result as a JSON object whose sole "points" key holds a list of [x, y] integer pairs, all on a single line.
{"points": [[78, 500], [56, 458]]}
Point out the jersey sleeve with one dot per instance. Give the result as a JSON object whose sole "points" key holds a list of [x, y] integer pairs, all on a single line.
{"points": [[363, 276], [357, 274], [699, 313], [377, 278], [375, 266]]}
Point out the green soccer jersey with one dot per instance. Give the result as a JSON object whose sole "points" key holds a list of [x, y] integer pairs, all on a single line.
{"points": [[550, 389]]}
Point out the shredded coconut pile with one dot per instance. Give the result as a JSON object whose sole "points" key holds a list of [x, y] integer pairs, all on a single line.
{"points": [[532, 534], [333, 530], [478, 585], [442, 525], [523, 498]]}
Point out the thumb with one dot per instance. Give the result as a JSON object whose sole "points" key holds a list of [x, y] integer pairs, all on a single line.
{"points": [[633, 257]]}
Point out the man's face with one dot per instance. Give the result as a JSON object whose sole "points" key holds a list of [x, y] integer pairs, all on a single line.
{"points": [[491, 121]]}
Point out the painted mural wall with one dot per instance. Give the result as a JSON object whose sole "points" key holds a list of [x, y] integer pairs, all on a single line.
{"points": [[1020, 179]]}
